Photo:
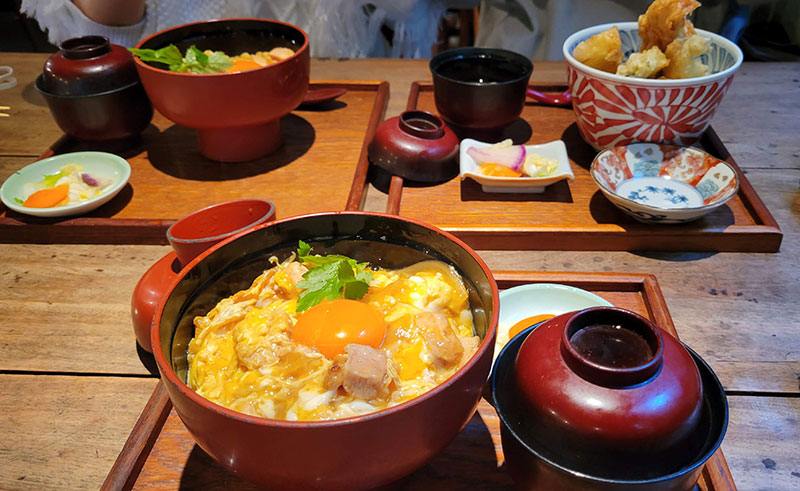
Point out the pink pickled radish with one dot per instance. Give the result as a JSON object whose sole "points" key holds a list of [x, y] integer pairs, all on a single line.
{"points": [[512, 157]]}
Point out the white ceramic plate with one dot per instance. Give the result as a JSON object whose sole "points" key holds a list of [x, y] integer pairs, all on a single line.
{"points": [[101, 164], [492, 184], [521, 302]]}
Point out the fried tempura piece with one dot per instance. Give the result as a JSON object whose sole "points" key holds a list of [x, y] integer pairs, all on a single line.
{"points": [[683, 57], [664, 21], [646, 64], [602, 51]]}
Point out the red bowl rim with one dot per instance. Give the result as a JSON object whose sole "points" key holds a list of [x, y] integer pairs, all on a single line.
{"points": [[169, 374], [141, 64]]}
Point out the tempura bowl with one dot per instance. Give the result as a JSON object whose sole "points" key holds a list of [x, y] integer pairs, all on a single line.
{"points": [[613, 110], [236, 115], [353, 453]]}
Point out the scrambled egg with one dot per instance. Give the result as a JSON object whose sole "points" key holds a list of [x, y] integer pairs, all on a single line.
{"points": [[245, 355]]}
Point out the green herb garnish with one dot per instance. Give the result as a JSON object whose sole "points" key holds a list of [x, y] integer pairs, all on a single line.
{"points": [[332, 277], [19, 200], [194, 61], [52, 179]]}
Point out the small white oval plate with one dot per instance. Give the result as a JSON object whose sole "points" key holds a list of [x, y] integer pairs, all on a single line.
{"points": [[101, 164], [521, 302], [492, 184]]}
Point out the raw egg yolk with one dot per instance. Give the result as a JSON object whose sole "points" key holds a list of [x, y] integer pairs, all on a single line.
{"points": [[526, 323], [243, 65], [331, 325], [497, 170]]}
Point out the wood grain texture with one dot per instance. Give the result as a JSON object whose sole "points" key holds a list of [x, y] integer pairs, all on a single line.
{"points": [[63, 432], [574, 215], [737, 310], [313, 171]]}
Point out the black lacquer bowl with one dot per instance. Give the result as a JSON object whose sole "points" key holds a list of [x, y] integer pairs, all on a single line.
{"points": [[536, 463]]}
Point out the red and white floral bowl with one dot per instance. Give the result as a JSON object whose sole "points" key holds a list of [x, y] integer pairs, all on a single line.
{"points": [[663, 183], [613, 110]]}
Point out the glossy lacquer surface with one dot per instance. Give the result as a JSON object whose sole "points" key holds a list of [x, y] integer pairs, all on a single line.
{"points": [[354, 453]]}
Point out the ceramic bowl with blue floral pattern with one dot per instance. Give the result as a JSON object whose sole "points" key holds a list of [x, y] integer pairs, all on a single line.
{"points": [[657, 183]]}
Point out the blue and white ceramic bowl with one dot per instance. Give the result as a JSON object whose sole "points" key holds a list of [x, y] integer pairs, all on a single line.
{"points": [[663, 183]]}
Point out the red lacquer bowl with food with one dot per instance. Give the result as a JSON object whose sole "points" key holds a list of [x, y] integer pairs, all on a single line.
{"points": [[232, 80], [257, 346], [656, 80]]}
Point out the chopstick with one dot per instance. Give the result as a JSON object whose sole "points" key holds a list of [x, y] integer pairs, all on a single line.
{"points": [[5, 108]]}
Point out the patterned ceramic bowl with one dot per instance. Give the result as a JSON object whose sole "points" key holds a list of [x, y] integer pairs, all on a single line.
{"points": [[663, 183], [613, 110]]}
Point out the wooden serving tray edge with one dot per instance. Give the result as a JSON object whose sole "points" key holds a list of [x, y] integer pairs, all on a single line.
{"points": [[716, 475], [765, 236], [95, 230]]}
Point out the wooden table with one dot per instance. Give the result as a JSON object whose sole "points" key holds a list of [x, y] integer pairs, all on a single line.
{"points": [[72, 385]]}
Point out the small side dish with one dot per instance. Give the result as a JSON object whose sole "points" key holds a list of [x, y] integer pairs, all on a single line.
{"points": [[64, 185], [525, 305], [663, 183], [507, 168]]}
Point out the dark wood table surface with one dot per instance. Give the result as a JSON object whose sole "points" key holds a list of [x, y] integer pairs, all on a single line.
{"points": [[72, 385]]}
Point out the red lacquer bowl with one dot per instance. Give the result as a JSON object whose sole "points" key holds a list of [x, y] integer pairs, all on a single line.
{"points": [[589, 407], [353, 453], [236, 115], [610, 381], [190, 236], [416, 145]]}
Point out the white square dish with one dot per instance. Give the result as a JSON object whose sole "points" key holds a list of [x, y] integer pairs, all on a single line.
{"points": [[493, 184]]}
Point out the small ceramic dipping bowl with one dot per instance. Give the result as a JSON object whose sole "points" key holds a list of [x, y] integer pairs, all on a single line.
{"points": [[236, 115], [190, 236], [604, 399], [663, 183], [93, 91], [361, 452], [480, 89], [416, 145]]}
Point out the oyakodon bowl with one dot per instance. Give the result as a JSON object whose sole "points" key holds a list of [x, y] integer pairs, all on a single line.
{"points": [[480, 89], [613, 110], [353, 453], [236, 115], [539, 461]]}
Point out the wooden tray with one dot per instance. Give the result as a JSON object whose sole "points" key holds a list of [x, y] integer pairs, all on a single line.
{"points": [[161, 454], [313, 171], [575, 215]]}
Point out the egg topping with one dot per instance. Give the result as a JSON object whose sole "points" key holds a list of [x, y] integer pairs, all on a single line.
{"points": [[254, 353]]}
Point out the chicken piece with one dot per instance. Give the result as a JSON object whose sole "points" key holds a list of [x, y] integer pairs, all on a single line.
{"points": [[261, 340], [664, 21], [602, 51], [288, 277], [440, 338], [364, 372], [281, 54], [335, 376], [646, 64], [683, 55], [470, 346]]}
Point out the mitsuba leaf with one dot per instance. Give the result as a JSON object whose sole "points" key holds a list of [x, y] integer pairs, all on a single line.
{"points": [[331, 277], [52, 179], [169, 55]]}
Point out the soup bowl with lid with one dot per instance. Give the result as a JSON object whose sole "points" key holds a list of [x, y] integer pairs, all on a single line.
{"points": [[351, 453], [602, 398]]}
